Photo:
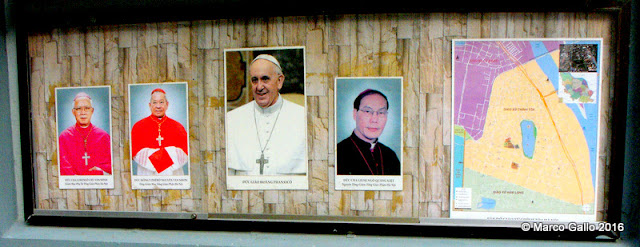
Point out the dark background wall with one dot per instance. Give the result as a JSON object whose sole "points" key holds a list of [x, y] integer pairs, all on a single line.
{"points": [[631, 183]]}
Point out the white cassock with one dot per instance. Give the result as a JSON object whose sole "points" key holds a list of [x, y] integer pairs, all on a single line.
{"points": [[145, 168], [285, 150], [145, 145]]}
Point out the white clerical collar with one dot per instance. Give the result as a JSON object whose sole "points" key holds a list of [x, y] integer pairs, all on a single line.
{"points": [[270, 109], [361, 142]]}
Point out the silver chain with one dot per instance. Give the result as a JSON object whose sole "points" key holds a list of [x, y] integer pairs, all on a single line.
{"points": [[272, 128]]}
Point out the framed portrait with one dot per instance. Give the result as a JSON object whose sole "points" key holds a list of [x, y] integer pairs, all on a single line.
{"points": [[368, 133], [266, 127], [159, 124], [83, 127]]}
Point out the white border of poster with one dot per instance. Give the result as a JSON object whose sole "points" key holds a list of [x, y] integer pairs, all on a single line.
{"points": [[97, 93], [267, 182], [178, 110], [391, 136], [462, 203]]}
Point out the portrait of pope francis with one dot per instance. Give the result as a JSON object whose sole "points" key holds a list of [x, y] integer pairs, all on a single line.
{"points": [[267, 135]]}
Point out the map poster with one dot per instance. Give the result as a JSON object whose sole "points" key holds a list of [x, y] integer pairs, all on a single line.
{"points": [[526, 116]]}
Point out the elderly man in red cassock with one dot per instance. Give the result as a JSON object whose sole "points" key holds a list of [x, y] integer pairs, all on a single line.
{"points": [[84, 148], [159, 143]]}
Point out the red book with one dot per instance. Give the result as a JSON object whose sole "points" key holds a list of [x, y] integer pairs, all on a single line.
{"points": [[161, 160]]}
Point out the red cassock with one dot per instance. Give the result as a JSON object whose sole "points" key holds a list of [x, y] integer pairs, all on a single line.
{"points": [[144, 134], [72, 150]]}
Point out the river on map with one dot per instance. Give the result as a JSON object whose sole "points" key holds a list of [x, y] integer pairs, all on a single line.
{"points": [[550, 68], [458, 162]]}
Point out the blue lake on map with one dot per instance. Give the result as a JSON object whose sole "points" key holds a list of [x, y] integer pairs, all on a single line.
{"points": [[487, 203], [529, 134]]}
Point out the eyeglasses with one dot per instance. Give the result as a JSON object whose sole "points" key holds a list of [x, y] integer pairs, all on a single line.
{"points": [[158, 103], [370, 112], [83, 108]]}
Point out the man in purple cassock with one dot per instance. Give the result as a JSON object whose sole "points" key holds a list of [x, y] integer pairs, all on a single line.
{"points": [[84, 149]]}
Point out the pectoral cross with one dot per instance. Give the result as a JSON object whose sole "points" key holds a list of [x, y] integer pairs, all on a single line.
{"points": [[159, 139], [262, 161], [86, 159]]}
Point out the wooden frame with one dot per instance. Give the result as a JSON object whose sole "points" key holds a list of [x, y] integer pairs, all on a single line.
{"points": [[412, 45]]}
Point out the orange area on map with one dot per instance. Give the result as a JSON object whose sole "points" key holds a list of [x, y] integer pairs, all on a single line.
{"points": [[560, 166]]}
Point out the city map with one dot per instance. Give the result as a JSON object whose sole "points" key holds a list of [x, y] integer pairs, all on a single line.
{"points": [[525, 129]]}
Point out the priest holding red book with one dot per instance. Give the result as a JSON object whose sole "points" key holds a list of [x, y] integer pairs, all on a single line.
{"points": [[159, 144]]}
